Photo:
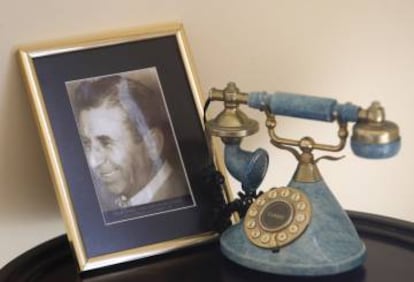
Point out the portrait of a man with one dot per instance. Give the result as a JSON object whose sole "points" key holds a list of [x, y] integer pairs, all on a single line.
{"points": [[129, 144]]}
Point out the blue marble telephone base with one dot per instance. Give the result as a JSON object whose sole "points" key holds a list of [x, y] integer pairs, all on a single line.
{"points": [[329, 245]]}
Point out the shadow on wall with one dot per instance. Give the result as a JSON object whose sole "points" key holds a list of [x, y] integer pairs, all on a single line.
{"points": [[27, 191]]}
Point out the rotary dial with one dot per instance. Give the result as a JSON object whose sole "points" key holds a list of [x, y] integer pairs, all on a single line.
{"points": [[278, 217]]}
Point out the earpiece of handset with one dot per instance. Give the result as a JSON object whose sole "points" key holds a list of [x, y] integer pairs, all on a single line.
{"points": [[373, 137], [375, 140]]}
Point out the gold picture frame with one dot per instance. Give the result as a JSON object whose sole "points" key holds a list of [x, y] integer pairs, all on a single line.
{"points": [[98, 236]]}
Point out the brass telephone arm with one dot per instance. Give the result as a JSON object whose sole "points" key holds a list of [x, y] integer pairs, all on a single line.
{"points": [[306, 143]]}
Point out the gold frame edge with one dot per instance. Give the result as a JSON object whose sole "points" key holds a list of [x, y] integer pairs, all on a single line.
{"points": [[200, 101], [51, 153]]}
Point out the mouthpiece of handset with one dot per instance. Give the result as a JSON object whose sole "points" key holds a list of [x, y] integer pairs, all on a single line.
{"points": [[247, 167]]}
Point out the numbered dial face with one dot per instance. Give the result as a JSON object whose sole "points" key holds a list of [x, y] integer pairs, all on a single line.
{"points": [[277, 217]]}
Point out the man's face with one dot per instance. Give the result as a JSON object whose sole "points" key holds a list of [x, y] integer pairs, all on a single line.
{"points": [[121, 163]]}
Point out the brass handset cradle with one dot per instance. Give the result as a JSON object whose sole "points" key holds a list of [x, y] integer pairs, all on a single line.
{"points": [[307, 170], [231, 122], [300, 228]]}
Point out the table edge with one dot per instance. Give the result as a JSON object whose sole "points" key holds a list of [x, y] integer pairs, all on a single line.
{"points": [[390, 230]]}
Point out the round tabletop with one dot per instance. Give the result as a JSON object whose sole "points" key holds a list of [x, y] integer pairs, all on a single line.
{"points": [[390, 245]]}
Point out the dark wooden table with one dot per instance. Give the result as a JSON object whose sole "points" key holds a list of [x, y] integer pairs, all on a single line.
{"points": [[390, 245]]}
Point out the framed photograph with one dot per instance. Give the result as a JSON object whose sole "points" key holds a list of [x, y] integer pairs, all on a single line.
{"points": [[120, 118]]}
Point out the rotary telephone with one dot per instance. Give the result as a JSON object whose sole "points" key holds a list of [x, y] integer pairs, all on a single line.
{"points": [[299, 229]]}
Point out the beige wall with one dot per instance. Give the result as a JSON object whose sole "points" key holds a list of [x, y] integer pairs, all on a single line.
{"points": [[350, 50]]}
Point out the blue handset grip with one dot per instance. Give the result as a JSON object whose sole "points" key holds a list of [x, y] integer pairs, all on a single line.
{"points": [[303, 106]]}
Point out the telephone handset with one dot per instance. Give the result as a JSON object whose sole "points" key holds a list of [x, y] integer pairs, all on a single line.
{"points": [[300, 229]]}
